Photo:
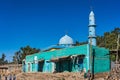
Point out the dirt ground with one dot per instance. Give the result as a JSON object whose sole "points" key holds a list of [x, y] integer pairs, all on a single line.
{"points": [[114, 74], [60, 76], [50, 76]]}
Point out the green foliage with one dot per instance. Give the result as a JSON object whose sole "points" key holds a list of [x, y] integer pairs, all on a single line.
{"points": [[2, 59], [113, 58], [109, 39], [23, 52], [79, 43], [17, 58]]}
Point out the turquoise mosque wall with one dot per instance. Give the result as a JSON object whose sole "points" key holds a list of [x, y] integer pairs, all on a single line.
{"points": [[58, 53], [101, 59]]}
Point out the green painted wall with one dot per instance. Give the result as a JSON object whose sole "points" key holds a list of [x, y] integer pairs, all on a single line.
{"points": [[101, 59], [58, 53]]}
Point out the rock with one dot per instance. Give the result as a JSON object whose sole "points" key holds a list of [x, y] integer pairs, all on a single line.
{"points": [[99, 79]]}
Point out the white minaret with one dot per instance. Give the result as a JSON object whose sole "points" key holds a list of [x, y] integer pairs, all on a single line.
{"points": [[92, 25]]}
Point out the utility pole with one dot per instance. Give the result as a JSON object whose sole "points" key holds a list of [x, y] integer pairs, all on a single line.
{"points": [[91, 59], [117, 51], [117, 47]]}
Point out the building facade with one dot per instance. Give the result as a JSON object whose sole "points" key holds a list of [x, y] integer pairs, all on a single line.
{"points": [[66, 57], [72, 59]]}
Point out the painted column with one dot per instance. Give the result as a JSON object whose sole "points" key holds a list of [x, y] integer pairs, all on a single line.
{"points": [[92, 25], [53, 67], [46, 68], [24, 65], [75, 67], [31, 67], [36, 64], [87, 59]]}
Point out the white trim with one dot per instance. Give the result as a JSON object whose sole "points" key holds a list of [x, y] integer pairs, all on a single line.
{"points": [[88, 57]]}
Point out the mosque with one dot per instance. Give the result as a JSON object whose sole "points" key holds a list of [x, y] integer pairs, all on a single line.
{"points": [[67, 57]]}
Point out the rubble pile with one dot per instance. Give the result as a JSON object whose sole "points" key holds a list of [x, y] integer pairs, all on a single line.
{"points": [[101, 76], [114, 74]]}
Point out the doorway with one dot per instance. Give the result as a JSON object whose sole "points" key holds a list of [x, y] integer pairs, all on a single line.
{"points": [[40, 65], [64, 65]]}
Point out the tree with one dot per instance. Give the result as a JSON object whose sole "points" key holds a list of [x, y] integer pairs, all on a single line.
{"points": [[23, 52], [2, 59], [109, 39], [28, 51], [17, 57], [79, 43]]}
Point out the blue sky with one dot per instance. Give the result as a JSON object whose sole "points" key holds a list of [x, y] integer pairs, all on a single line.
{"points": [[41, 23]]}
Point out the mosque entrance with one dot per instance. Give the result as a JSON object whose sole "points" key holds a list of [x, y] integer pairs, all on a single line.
{"points": [[69, 63], [64, 64], [40, 65], [77, 61]]}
